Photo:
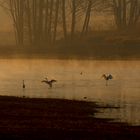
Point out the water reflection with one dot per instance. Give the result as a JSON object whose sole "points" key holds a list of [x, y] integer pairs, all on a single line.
{"points": [[122, 91]]}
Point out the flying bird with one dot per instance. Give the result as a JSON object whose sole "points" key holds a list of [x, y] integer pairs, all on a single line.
{"points": [[107, 77], [49, 82]]}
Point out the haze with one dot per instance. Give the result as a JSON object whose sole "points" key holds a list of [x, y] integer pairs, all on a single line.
{"points": [[59, 27]]}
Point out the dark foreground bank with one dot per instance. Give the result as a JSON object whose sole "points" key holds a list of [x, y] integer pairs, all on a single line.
{"points": [[24, 118]]}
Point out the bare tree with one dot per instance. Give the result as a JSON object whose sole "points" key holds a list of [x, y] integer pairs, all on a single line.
{"points": [[28, 13], [50, 21], [73, 18], [64, 19], [46, 18], [40, 21], [56, 19], [87, 18], [17, 13], [126, 13]]}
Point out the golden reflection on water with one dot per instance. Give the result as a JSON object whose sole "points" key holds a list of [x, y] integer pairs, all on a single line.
{"points": [[122, 91]]}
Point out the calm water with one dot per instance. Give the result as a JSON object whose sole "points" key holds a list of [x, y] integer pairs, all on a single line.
{"points": [[123, 90]]}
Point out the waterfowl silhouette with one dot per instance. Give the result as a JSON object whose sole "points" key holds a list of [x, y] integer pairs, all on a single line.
{"points": [[85, 97], [107, 77], [49, 82], [23, 84]]}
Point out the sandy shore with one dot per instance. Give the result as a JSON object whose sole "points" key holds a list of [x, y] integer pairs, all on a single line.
{"points": [[24, 118]]}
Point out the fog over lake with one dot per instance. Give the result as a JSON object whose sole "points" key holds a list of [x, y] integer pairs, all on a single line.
{"points": [[77, 79]]}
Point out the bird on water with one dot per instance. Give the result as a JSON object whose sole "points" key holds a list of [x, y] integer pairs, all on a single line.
{"points": [[23, 84], [49, 82], [107, 77]]}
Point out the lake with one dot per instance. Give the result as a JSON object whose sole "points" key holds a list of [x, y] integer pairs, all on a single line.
{"points": [[77, 79]]}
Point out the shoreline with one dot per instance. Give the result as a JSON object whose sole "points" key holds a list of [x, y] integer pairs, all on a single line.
{"points": [[68, 57], [41, 118], [82, 51]]}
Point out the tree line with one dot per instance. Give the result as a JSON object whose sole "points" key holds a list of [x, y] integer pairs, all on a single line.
{"points": [[38, 22]]}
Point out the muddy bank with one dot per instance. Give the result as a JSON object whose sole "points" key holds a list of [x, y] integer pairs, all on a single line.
{"points": [[24, 118]]}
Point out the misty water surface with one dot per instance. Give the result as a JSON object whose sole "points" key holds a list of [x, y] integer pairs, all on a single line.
{"points": [[123, 90]]}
